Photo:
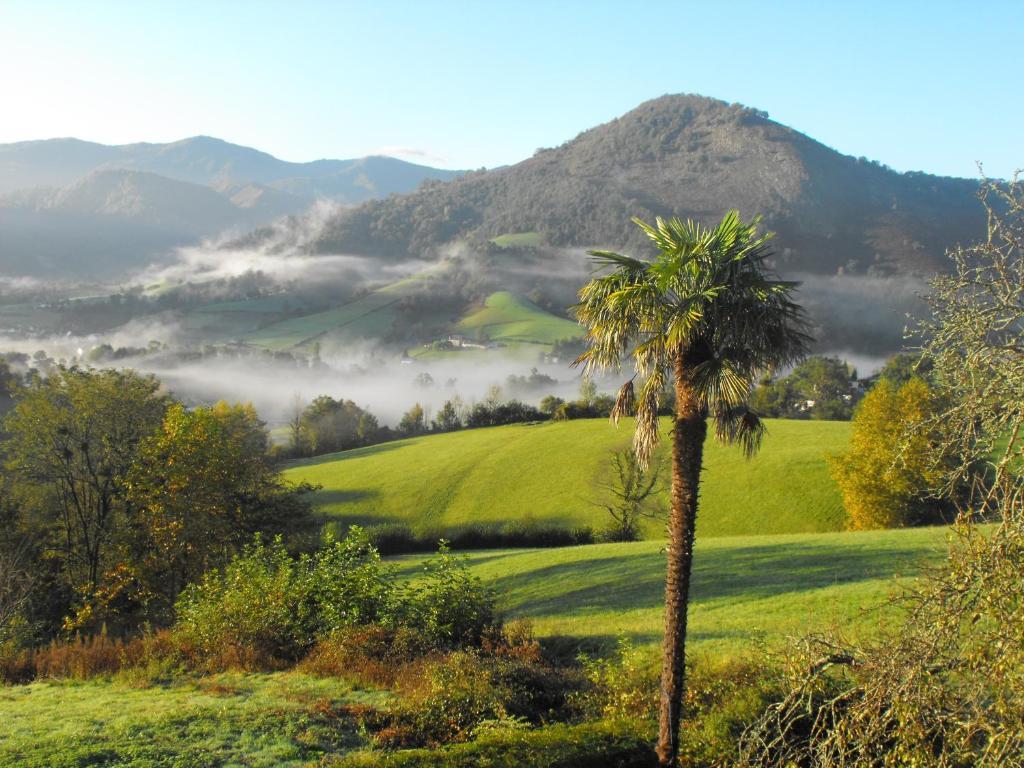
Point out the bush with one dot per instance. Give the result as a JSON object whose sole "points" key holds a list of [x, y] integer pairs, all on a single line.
{"points": [[400, 539], [346, 585], [609, 744], [266, 607], [464, 693], [373, 655], [622, 685], [252, 613], [448, 605]]}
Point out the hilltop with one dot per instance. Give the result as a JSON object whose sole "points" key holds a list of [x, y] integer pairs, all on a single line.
{"points": [[689, 156]]}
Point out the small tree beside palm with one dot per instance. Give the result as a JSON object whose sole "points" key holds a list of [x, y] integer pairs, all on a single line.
{"points": [[705, 317]]}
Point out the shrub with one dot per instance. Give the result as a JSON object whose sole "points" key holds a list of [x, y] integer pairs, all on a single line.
{"points": [[622, 685], [456, 696], [373, 655], [400, 539], [346, 584], [251, 613], [451, 607], [609, 744], [266, 607]]}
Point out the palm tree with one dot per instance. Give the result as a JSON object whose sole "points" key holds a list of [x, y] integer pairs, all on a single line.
{"points": [[707, 313]]}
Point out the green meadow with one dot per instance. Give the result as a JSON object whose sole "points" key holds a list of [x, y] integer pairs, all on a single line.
{"points": [[507, 317], [748, 591], [552, 473], [234, 719]]}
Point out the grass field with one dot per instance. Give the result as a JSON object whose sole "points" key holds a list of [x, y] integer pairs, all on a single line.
{"points": [[748, 591], [507, 317], [551, 473], [519, 240], [258, 720]]}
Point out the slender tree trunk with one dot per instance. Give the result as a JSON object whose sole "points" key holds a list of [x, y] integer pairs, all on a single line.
{"points": [[688, 433]]}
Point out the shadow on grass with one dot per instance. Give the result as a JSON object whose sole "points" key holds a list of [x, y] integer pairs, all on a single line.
{"points": [[324, 498], [632, 582], [352, 453]]}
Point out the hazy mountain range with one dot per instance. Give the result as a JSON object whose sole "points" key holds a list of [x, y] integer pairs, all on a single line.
{"points": [[77, 208], [70, 206]]}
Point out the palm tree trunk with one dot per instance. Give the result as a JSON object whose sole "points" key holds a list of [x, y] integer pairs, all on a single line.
{"points": [[688, 433]]}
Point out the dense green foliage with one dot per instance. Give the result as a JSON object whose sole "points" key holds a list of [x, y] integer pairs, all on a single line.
{"points": [[520, 473], [267, 606], [327, 425], [118, 497], [817, 388]]}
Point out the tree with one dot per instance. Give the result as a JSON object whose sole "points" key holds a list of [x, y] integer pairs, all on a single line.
{"points": [[901, 368], [73, 439], [944, 686], [203, 486], [629, 496], [706, 314], [825, 386], [8, 385], [549, 404], [413, 421], [887, 474], [335, 425], [588, 391], [296, 428], [16, 584], [819, 388], [447, 418]]}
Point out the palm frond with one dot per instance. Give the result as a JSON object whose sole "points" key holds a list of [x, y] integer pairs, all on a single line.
{"points": [[646, 437], [740, 426], [624, 402]]}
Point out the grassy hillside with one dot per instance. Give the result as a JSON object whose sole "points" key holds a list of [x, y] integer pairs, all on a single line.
{"points": [[507, 317], [228, 720], [747, 591], [551, 473], [518, 240], [370, 316]]}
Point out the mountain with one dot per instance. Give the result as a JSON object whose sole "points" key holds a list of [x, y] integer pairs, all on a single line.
{"points": [[78, 209], [107, 222], [689, 156], [210, 162]]}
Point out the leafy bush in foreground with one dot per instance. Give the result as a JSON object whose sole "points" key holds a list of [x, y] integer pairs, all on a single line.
{"points": [[266, 606]]}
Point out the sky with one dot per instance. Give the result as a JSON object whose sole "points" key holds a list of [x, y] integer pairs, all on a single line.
{"points": [[929, 86]]}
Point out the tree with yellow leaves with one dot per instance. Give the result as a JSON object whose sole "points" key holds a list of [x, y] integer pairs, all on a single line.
{"points": [[886, 473]]}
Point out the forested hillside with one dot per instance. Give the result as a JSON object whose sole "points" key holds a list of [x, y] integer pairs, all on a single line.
{"points": [[688, 156]]}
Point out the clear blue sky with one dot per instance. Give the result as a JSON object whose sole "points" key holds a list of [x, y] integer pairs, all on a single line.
{"points": [[931, 86]]}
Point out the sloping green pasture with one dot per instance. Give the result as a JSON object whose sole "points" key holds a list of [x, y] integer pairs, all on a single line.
{"points": [[552, 473]]}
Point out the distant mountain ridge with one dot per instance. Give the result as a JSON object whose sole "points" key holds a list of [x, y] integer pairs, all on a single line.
{"points": [[78, 208], [210, 162], [689, 156]]}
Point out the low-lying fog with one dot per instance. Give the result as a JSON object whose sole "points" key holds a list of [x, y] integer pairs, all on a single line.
{"points": [[859, 318]]}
